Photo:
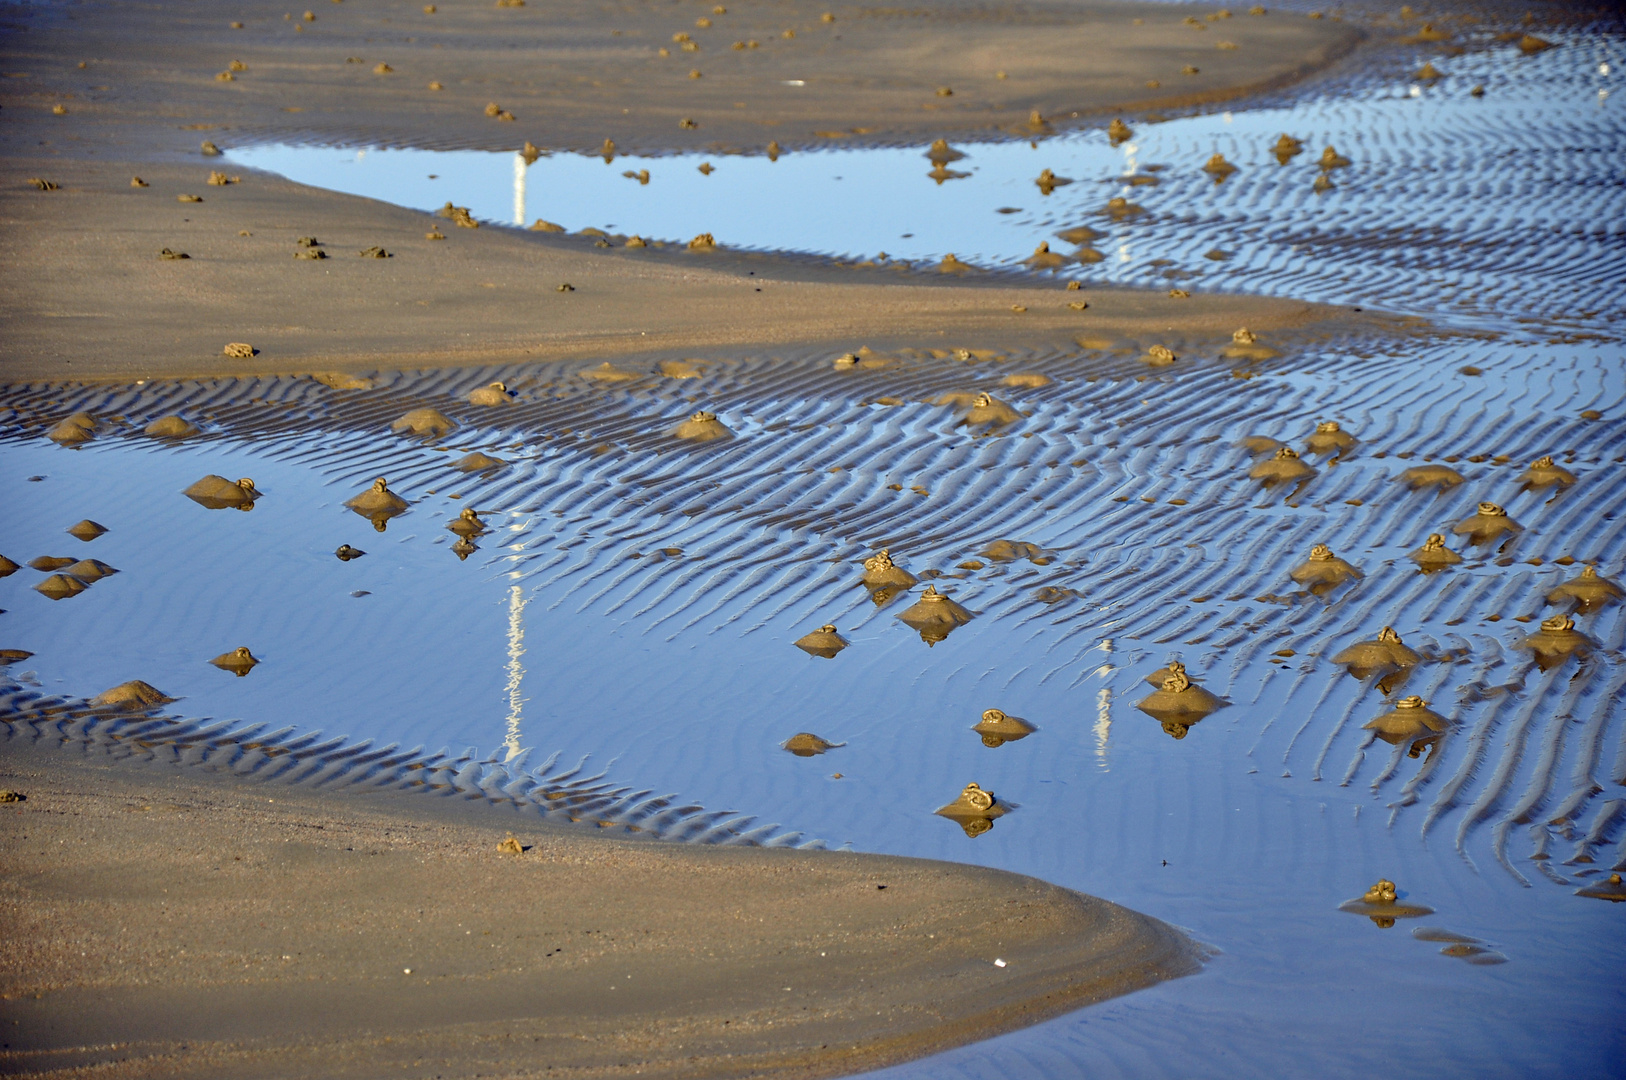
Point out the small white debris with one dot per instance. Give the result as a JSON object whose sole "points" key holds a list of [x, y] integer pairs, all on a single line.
{"points": [[406, 971], [999, 963]]}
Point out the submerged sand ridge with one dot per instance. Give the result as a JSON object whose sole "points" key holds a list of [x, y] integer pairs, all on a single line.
{"points": [[338, 937]]}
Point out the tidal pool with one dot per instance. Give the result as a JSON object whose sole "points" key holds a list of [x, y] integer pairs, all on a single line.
{"points": [[637, 599]]}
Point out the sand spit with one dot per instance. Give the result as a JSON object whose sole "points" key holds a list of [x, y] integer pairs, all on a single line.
{"points": [[454, 974]]}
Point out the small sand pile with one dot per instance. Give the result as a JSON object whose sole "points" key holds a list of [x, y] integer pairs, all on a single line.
{"points": [[430, 423], [7, 567], [1178, 703], [1329, 438], [1283, 468], [1323, 571], [609, 373], [467, 523], [807, 744], [1158, 356], [988, 410], [477, 462], [1543, 473], [934, 616], [1219, 168], [1381, 904], [491, 394], [1386, 652], [998, 728], [218, 493], [824, 642], [238, 350], [679, 369], [1556, 641], [171, 427], [60, 587], [1410, 719], [1045, 259], [47, 563], [239, 661], [133, 696], [345, 553], [378, 502], [1419, 477], [87, 530], [78, 428], [1588, 592], [702, 427], [881, 572], [974, 811], [1434, 555], [1004, 551], [1490, 522], [89, 570]]}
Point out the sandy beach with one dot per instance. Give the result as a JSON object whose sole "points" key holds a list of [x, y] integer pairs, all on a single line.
{"points": [[170, 922]]}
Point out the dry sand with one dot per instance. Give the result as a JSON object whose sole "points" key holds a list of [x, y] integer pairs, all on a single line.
{"points": [[165, 921]]}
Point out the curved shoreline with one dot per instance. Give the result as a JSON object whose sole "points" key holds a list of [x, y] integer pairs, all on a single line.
{"points": [[288, 948]]}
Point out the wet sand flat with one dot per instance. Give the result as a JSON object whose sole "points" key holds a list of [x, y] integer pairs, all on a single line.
{"points": [[571, 76], [164, 921]]}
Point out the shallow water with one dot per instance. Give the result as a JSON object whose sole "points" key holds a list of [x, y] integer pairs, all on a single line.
{"points": [[573, 630], [1477, 211]]}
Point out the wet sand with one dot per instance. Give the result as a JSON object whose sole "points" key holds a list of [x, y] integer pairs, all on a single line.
{"points": [[91, 297], [164, 921]]}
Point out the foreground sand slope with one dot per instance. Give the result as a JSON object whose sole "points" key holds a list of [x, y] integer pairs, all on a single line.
{"points": [[173, 923]]}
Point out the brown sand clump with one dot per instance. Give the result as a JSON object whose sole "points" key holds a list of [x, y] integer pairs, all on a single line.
{"points": [[1556, 641], [1118, 208], [1324, 571], [1245, 346], [345, 553], [1004, 551], [431, 423], [78, 428], [133, 696], [491, 394], [541, 225], [87, 530], [1612, 889], [1384, 653], [679, 369], [12, 656], [1410, 720], [1219, 168], [1080, 234], [7, 567], [45, 564], [1434, 555], [1025, 380], [824, 642], [880, 572], [136, 181], [1119, 132], [89, 570], [1530, 44], [171, 427], [467, 523], [1543, 473], [189, 198], [1489, 523], [478, 462], [934, 616], [1381, 904], [704, 242], [1286, 148], [238, 350], [989, 411], [952, 265], [1049, 181], [60, 587], [341, 380], [702, 427], [609, 373], [464, 548], [218, 493], [1332, 159], [1179, 703], [1329, 438], [1045, 259], [172, 256], [1419, 477], [1285, 467], [975, 810], [1159, 356], [941, 153], [1260, 444], [378, 502], [239, 661], [998, 728], [511, 846], [807, 744], [220, 179], [1588, 592], [459, 216]]}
